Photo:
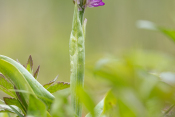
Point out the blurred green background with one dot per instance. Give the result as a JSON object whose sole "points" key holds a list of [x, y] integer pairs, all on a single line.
{"points": [[41, 28]]}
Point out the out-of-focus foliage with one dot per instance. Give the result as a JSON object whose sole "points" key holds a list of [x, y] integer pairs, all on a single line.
{"points": [[137, 88], [151, 26], [61, 106]]}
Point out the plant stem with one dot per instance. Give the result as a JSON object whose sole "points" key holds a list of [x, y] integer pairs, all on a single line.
{"points": [[169, 109], [77, 58], [81, 12]]}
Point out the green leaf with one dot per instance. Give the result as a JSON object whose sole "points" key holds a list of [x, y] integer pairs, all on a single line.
{"points": [[86, 100], [168, 32], [13, 101], [48, 114], [50, 83], [36, 107], [23, 80], [62, 104], [36, 73], [110, 102], [4, 115], [98, 109], [6, 86], [58, 86], [6, 108], [29, 65], [20, 97], [130, 103], [151, 26], [16, 111]]}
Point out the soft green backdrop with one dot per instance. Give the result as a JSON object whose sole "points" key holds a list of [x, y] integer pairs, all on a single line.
{"points": [[41, 28]]}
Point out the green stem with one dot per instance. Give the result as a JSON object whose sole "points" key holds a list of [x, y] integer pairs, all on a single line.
{"points": [[81, 15], [169, 109], [81, 12], [77, 58]]}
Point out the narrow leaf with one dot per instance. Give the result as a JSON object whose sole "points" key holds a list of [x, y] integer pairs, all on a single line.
{"points": [[169, 33], [58, 86], [98, 109], [16, 111], [13, 101], [6, 108], [109, 102], [50, 83], [36, 107], [86, 100], [62, 104], [29, 65], [6, 86], [20, 98], [36, 73], [48, 114]]}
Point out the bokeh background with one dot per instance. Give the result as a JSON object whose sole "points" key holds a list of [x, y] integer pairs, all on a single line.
{"points": [[41, 28]]}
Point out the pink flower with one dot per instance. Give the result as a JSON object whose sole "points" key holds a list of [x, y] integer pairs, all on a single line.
{"points": [[91, 3], [94, 3]]}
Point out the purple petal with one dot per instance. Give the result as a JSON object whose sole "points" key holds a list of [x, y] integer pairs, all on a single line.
{"points": [[96, 0], [96, 4], [102, 4]]}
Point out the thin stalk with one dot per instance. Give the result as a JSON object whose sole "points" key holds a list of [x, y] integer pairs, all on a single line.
{"points": [[81, 12], [77, 58], [169, 109]]}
